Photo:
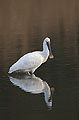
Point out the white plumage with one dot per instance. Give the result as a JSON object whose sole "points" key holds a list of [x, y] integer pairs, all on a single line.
{"points": [[31, 61]]}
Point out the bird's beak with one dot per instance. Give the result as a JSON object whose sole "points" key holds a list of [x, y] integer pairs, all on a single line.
{"points": [[50, 52], [51, 57]]}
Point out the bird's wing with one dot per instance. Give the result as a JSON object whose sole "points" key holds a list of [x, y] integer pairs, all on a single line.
{"points": [[30, 61]]}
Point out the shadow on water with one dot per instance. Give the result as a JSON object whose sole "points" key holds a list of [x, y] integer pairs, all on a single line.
{"points": [[34, 85]]}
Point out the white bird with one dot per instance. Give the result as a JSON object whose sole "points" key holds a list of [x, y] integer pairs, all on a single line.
{"points": [[34, 85], [31, 61]]}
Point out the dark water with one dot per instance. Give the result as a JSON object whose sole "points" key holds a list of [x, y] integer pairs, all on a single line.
{"points": [[23, 26]]}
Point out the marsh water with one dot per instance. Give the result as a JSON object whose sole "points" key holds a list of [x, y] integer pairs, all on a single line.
{"points": [[23, 26]]}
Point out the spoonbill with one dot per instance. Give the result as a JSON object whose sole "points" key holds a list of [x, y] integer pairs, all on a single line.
{"points": [[31, 61]]}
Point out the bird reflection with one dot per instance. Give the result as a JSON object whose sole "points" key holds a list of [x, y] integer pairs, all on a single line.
{"points": [[34, 85]]}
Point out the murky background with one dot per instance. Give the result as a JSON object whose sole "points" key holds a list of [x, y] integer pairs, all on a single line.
{"points": [[23, 26]]}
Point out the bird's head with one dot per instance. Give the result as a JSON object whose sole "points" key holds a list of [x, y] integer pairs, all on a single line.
{"points": [[47, 41]]}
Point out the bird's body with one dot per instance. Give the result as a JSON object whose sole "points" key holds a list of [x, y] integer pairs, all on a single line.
{"points": [[28, 63], [31, 61]]}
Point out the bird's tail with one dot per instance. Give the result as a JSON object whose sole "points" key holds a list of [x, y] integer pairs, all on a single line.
{"points": [[9, 71], [13, 68]]}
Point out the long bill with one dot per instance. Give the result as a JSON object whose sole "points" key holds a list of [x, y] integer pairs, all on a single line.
{"points": [[50, 52]]}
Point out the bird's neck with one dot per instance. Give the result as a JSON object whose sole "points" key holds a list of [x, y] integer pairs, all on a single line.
{"points": [[45, 52]]}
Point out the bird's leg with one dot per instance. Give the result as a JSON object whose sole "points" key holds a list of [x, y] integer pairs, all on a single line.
{"points": [[27, 73]]}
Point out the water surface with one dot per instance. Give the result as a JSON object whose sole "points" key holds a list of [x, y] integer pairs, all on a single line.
{"points": [[23, 26]]}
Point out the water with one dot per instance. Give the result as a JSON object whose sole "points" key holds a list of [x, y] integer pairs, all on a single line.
{"points": [[23, 26]]}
